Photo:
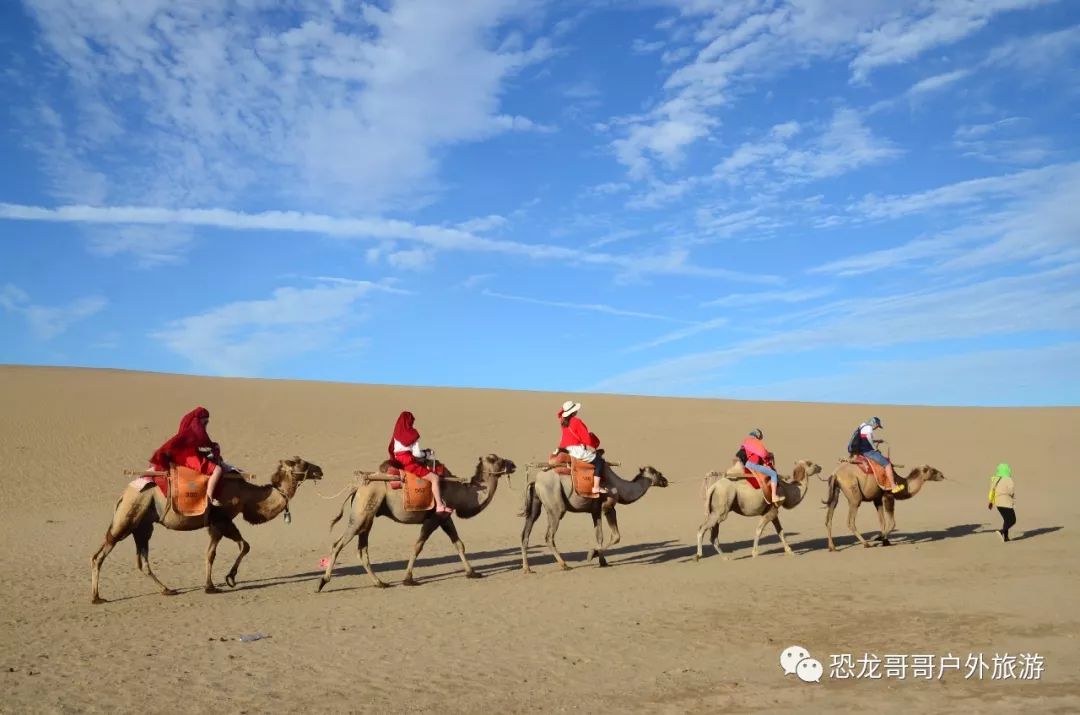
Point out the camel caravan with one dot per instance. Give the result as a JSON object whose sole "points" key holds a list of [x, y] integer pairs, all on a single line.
{"points": [[188, 486]]}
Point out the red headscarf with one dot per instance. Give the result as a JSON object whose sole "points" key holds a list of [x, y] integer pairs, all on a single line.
{"points": [[189, 437], [404, 432]]}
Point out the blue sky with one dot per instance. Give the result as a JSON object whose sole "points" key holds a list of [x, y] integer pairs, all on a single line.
{"points": [[828, 200]]}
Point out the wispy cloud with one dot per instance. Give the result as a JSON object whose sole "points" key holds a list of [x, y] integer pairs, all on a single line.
{"points": [[587, 307], [675, 262], [742, 300], [47, 322], [680, 334], [730, 45], [1044, 301], [244, 337], [328, 104]]}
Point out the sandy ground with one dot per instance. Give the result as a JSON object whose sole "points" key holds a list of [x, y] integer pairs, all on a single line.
{"points": [[654, 633]]}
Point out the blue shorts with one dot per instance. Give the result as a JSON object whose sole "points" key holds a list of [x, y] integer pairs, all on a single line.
{"points": [[877, 457], [762, 469]]}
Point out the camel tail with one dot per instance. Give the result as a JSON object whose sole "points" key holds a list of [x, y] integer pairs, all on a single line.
{"points": [[832, 492], [348, 499], [527, 500]]}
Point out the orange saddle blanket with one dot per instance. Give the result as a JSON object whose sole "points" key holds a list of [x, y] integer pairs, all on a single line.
{"points": [[582, 474], [417, 494], [187, 489], [869, 466]]}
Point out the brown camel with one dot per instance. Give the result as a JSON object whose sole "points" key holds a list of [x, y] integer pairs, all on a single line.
{"points": [[555, 493], [375, 498], [140, 507], [859, 487], [724, 494]]}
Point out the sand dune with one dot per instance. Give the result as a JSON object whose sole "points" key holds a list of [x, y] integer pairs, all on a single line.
{"points": [[654, 633]]}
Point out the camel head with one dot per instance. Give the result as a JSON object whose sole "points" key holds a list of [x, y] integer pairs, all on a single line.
{"points": [[654, 475], [494, 465], [297, 468], [809, 469], [929, 474]]}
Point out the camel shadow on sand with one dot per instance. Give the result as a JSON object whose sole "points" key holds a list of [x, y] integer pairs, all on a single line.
{"points": [[510, 560]]}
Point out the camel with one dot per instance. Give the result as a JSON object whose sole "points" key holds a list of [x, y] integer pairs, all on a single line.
{"points": [[142, 506], [375, 498], [859, 487], [732, 493], [555, 493]]}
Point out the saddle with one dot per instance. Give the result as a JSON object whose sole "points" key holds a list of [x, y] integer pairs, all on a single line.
{"points": [[418, 494], [870, 468], [187, 490]]}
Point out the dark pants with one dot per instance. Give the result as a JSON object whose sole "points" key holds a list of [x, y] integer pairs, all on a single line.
{"points": [[1008, 516]]}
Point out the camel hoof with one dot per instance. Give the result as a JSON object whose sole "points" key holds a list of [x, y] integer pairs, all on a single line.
{"points": [[526, 571], [212, 589], [98, 600], [473, 574], [410, 582], [383, 584], [832, 549], [886, 542], [319, 586], [753, 555], [230, 581], [789, 553], [697, 557], [725, 557], [169, 592]]}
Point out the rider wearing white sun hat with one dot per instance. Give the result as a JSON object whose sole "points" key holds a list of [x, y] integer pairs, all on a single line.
{"points": [[578, 441]]}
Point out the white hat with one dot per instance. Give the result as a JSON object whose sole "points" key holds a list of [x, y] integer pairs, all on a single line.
{"points": [[570, 407]]}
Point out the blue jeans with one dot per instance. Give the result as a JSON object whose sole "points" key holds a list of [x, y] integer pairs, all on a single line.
{"points": [[877, 457], [763, 470]]}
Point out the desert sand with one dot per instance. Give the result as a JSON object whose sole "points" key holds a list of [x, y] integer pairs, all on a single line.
{"points": [[656, 632]]}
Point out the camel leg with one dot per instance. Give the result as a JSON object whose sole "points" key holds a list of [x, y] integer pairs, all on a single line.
{"points": [[532, 513], [365, 558], [597, 550], [448, 527], [549, 538], [142, 535], [229, 531], [765, 519], [711, 523], [426, 529], [352, 528], [613, 525], [131, 510], [211, 553], [853, 509], [879, 507], [780, 533], [890, 520], [830, 507]]}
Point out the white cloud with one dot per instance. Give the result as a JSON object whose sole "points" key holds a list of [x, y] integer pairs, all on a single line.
{"points": [[905, 36], [937, 82], [1034, 54], [1020, 376], [743, 300], [483, 224], [992, 142], [730, 45], [151, 245], [348, 107], [244, 337], [415, 259], [474, 281], [581, 306], [680, 334], [674, 262], [1045, 301], [47, 322]]}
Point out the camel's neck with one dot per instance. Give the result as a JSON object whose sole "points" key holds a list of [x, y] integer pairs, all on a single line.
{"points": [[914, 484], [471, 499], [795, 491], [629, 492], [274, 503]]}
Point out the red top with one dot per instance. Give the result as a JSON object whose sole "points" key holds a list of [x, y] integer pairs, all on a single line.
{"points": [[755, 450], [576, 434], [404, 432], [190, 437]]}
